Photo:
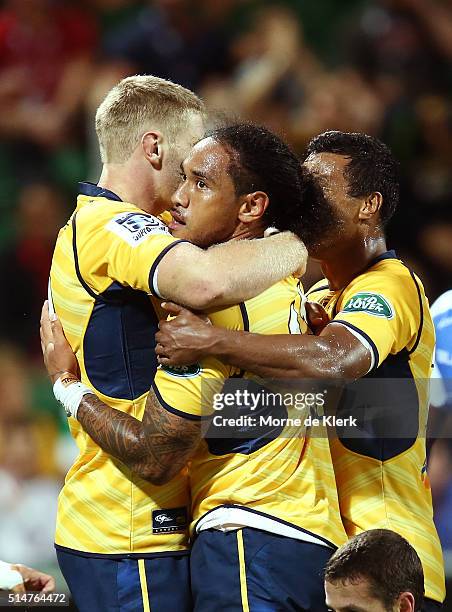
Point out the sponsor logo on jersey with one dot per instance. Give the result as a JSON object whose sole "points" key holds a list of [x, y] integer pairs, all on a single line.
{"points": [[169, 520], [184, 371], [133, 228], [371, 303]]}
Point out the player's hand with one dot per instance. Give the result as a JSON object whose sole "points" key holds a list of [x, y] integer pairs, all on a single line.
{"points": [[33, 580], [184, 339], [56, 350], [317, 317]]}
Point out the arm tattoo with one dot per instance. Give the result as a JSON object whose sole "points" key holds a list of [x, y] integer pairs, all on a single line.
{"points": [[156, 448]]}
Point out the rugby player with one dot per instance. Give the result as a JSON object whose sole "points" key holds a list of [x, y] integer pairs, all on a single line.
{"points": [[265, 507], [381, 330], [110, 261], [376, 571]]}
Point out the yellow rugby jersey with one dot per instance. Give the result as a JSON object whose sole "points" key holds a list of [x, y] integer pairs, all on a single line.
{"points": [[269, 473], [101, 279], [382, 481]]}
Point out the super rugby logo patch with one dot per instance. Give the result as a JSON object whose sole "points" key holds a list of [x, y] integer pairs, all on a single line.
{"points": [[370, 303], [135, 227]]}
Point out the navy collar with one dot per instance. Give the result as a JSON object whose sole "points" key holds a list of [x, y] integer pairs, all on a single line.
{"points": [[387, 255], [90, 189]]}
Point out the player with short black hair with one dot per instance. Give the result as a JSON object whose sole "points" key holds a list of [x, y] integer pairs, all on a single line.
{"points": [[376, 570], [380, 330], [371, 167]]}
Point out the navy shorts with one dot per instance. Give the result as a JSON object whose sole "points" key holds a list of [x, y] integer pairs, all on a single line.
{"points": [[252, 570], [159, 583]]}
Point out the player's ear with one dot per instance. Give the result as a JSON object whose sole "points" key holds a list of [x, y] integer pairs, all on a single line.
{"points": [[405, 602], [151, 143], [371, 205], [253, 206]]}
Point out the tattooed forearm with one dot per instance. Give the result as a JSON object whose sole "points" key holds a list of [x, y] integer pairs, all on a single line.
{"points": [[156, 448]]}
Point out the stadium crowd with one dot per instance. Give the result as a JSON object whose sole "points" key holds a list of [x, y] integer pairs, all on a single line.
{"points": [[383, 67]]}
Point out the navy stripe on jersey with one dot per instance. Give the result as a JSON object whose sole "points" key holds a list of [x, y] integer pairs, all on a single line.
{"points": [[365, 336], [152, 287], [250, 437], [81, 280], [387, 255], [173, 410], [245, 318], [119, 343], [387, 411], [246, 327], [124, 555], [322, 288], [421, 314], [90, 189], [98, 297]]}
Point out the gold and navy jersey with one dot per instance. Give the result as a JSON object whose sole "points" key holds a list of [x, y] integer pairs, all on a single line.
{"points": [[381, 472], [101, 283], [272, 474]]}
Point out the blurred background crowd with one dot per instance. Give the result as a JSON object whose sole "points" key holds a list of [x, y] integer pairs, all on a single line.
{"points": [[300, 67]]}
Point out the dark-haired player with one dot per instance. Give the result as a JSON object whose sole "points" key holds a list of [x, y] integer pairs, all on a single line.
{"points": [[380, 329], [376, 571], [265, 504]]}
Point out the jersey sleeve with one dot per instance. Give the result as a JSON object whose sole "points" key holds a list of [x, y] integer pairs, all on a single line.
{"points": [[384, 314], [141, 242], [191, 391]]}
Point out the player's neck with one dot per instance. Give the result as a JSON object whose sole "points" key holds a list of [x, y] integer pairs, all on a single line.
{"points": [[248, 231], [124, 182], [342, 264]]}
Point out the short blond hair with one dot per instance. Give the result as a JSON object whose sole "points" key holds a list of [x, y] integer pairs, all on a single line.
{"points": [[137, 104]]}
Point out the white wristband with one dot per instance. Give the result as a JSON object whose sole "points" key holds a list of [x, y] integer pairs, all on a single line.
{"points": [[9, 577], [70, 395]]}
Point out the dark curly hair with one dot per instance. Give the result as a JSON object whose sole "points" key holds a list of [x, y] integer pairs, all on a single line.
{"points": [[261, 161], [372, 166]]}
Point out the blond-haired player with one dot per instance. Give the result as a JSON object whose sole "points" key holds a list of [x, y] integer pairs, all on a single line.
{"points": [[121, 541]]}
